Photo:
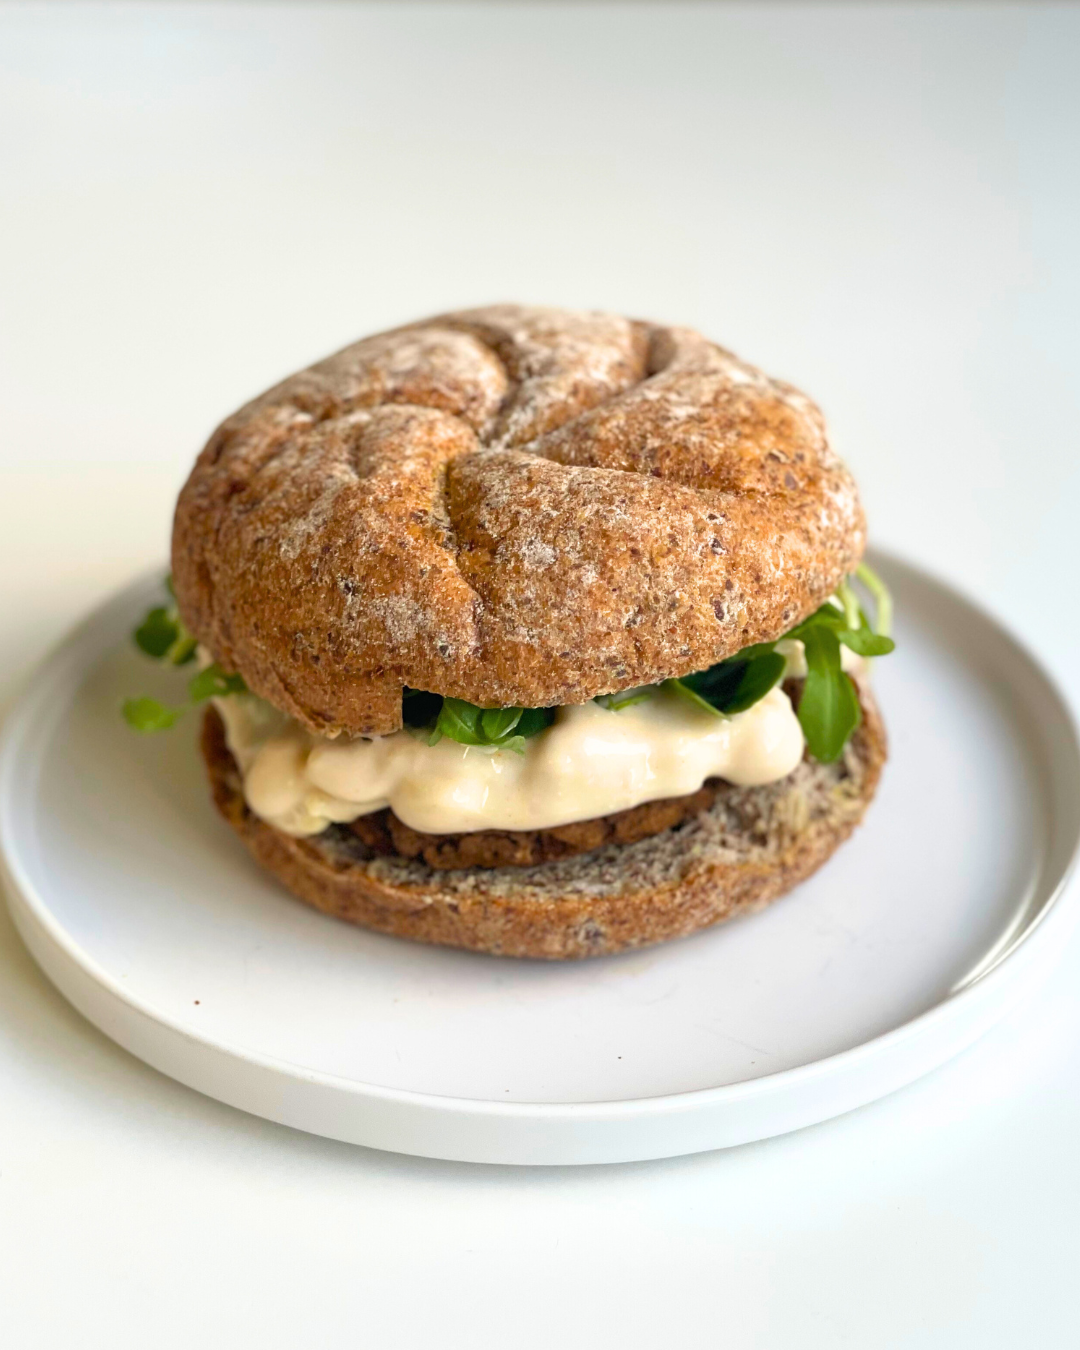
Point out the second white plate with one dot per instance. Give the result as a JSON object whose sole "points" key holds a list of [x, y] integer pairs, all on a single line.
{"points": [[147, 913]]}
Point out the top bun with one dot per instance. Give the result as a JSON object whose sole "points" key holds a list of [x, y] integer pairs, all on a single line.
{"points": [[512, 506]]}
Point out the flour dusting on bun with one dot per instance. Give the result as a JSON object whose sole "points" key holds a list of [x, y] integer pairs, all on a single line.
{"points": [[532, 631]]}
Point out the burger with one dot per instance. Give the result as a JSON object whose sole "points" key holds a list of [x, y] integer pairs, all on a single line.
{"points": [[532, 631]]}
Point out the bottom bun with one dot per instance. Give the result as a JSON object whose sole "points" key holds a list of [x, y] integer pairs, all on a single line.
{"points": [[751, 846]]}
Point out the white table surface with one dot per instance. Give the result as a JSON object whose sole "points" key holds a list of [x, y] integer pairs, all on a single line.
{"points": [[881, 204]]}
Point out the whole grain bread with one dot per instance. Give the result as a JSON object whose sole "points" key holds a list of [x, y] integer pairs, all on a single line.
{"points": [[513, 506], [746, 849]]}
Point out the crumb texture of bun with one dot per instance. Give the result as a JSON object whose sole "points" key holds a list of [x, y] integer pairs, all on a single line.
{"points": [[512, 506], [748, 847]]}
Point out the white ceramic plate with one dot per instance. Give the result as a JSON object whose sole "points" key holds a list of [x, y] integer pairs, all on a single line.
{"points": [[146, 912]]}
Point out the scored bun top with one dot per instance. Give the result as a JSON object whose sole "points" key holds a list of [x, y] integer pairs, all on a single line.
{"points": [[512, 506]]}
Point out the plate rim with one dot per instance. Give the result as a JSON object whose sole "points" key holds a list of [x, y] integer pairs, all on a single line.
{"points": [[61, 666]]}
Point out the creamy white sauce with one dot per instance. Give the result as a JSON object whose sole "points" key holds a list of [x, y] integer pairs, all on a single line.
{"points": [[591, 762]]}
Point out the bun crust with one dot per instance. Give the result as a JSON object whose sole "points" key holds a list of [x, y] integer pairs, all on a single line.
{"points": [[511, 506], [749, 847]]}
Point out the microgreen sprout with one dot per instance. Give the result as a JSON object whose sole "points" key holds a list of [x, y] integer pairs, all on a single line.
{"points": [[882, 599], [432, 717], [625, 698], [163, 637], [829, 708]]}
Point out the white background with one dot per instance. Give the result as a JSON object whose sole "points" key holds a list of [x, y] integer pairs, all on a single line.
{"points": [[879, 203]]}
